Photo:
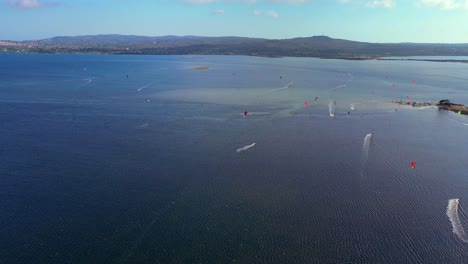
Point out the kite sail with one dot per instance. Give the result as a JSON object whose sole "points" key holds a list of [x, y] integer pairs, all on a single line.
{"points": [[413, 164], [245, 113]]}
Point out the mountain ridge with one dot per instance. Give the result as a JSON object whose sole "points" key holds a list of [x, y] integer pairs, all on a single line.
{"points": [[313, 46]]}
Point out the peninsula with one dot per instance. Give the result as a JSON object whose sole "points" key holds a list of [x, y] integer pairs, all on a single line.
{"points": [[442, 105]]}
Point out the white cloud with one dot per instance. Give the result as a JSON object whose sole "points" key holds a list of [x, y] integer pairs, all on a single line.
{"points": [[289, 1], [381, 3], [247, 1], [25, 4], [257, 12], [218, 12], [199, 1], [445, 4], [272, 13]]}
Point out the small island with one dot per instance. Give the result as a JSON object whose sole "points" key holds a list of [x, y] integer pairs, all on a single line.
{"points": [[200, 68]]}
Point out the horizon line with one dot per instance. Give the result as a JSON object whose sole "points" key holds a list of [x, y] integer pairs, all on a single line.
{"points": [[227, 36]]}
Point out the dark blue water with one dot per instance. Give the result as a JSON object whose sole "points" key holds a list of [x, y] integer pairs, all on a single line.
{"points": [[90, 172]]}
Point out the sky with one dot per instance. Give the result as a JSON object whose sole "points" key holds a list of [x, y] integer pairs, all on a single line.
{"points": [[382, 21]]}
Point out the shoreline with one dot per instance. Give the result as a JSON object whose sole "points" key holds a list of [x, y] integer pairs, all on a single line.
{"points": [[273, 56], [456, 108], [426, 60]]}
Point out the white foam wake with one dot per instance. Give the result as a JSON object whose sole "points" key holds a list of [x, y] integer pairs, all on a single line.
{"points": [[246, 147], [87, 82], [365, 148], [331, 109], [338, 87], [143, 87], [282, 88], [465, 124], [452, 213]]}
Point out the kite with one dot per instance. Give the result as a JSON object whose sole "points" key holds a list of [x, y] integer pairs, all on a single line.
{"points": [[245, 113], [413, 164]]}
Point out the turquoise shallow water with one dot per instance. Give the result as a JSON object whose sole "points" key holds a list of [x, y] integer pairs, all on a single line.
{"points": [[100, 168]]}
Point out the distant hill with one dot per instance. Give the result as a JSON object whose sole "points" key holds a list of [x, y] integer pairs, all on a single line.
{"points": [[316, 46]]}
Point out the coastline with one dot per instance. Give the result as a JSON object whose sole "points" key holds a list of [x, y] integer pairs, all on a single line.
{"points": [[273, 56], [456, 108]]}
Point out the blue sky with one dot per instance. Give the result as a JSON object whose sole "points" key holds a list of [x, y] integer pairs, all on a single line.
{"points": [[441, 21]]}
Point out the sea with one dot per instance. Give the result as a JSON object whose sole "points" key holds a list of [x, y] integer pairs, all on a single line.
{"points": [[132, 159]]}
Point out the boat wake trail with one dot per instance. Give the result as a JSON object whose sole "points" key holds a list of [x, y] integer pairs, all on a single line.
{"points": [[452, 213], [143, 87], [365, 148], [246, 147], [87, 82], [143, 126], [331, 109], [338, 87], [282, 88], [465, 124]]}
